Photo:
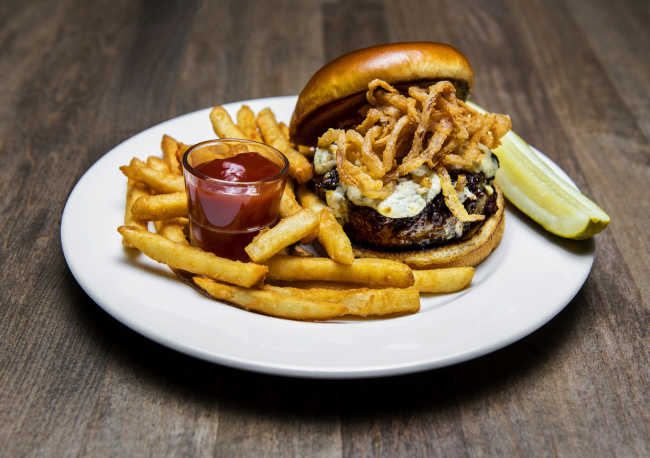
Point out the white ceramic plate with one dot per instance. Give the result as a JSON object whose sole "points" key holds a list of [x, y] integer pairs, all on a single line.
{"points": [[528, 279]]}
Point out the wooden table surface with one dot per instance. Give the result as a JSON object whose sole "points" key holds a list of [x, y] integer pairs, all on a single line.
{"points": [[77, 78]]}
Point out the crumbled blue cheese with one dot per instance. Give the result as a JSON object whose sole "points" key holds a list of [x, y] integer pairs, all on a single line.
{"points": [[407, 199], [337, 202], [458, 228], [435, 188], [355, 196], [465, 194], [325, 159], [488, 165]]}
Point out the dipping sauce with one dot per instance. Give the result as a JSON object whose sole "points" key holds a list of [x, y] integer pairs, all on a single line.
{"points": [[250, 166], [231, 199]]}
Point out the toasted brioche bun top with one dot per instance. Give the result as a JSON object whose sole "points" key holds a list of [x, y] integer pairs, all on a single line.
{"points": [[338, 87]]}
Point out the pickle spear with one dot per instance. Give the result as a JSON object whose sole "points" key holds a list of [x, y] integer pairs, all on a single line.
{"points": [[541, 193]]}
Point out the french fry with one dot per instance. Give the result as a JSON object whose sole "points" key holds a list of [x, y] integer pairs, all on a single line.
{"points": [[361, 301], [223, 125], [309, 238], [161, 206], [330, 233], [306, 150], [288, 204], [246, 123], [194, 260], [272, 302], [174, 232], [173, 229], [285, 131], [182, 221], [312, 283], [334, 239], [158, 181], [447, 280], [169, 146], [299, 166], [157, 163], [309, 199], [313, 235], [287, 232], [180, 152], [134, 191], [365, 271], [384, 302]]}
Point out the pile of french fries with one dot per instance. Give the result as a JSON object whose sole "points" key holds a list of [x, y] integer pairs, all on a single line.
{"points": [[284, 278]]}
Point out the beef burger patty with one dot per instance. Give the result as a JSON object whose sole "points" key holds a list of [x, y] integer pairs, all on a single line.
{"points": [[433, 226]]}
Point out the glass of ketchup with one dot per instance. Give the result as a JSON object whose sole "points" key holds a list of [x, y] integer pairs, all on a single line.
{"points": [[234, 189]]}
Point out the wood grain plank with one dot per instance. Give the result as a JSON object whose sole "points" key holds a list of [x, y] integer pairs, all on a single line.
{"points": [[271, 416], [43, 394], [621, 39], [53, 374], [77, 78], [352, 25], [511, 79], [607, 143], [150, 66], [151, 401], [239, 50]]}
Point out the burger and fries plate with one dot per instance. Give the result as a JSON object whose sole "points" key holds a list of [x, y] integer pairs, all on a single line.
{"points": [[525, 282]]}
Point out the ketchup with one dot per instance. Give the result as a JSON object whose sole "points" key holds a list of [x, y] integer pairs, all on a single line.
{"points": [[241, 168], [226, 215]]}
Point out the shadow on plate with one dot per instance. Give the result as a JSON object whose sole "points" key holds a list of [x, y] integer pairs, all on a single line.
{"points": [[578, 247]]}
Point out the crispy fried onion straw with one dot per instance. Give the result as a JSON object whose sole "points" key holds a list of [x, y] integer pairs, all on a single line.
{"points": [[451, 199], [402, 132]]}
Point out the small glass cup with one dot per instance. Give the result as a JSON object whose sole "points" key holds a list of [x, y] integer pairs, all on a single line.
{"points": [[226, 215]]}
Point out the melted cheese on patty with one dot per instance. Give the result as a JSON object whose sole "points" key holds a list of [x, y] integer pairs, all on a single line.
{"points": [[408, 198]]}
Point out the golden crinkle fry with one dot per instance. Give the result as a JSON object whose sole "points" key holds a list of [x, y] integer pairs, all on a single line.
{"points": [[330, 232], [173, 229], [223, 125], [192, 259], [157, 180], [299, 167], [157, 163], [314, 303], [169, 148], [160, 206], [368, 271], [288, 204], [448, 280], [134, 191], [313, 288], [246, 123], [287, 232]]}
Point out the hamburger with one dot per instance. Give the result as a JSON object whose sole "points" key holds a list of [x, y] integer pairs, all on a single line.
{"points": [[404, 164]]}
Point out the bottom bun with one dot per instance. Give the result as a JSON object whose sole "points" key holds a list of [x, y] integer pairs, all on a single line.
{"points": [[469, 252]]}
